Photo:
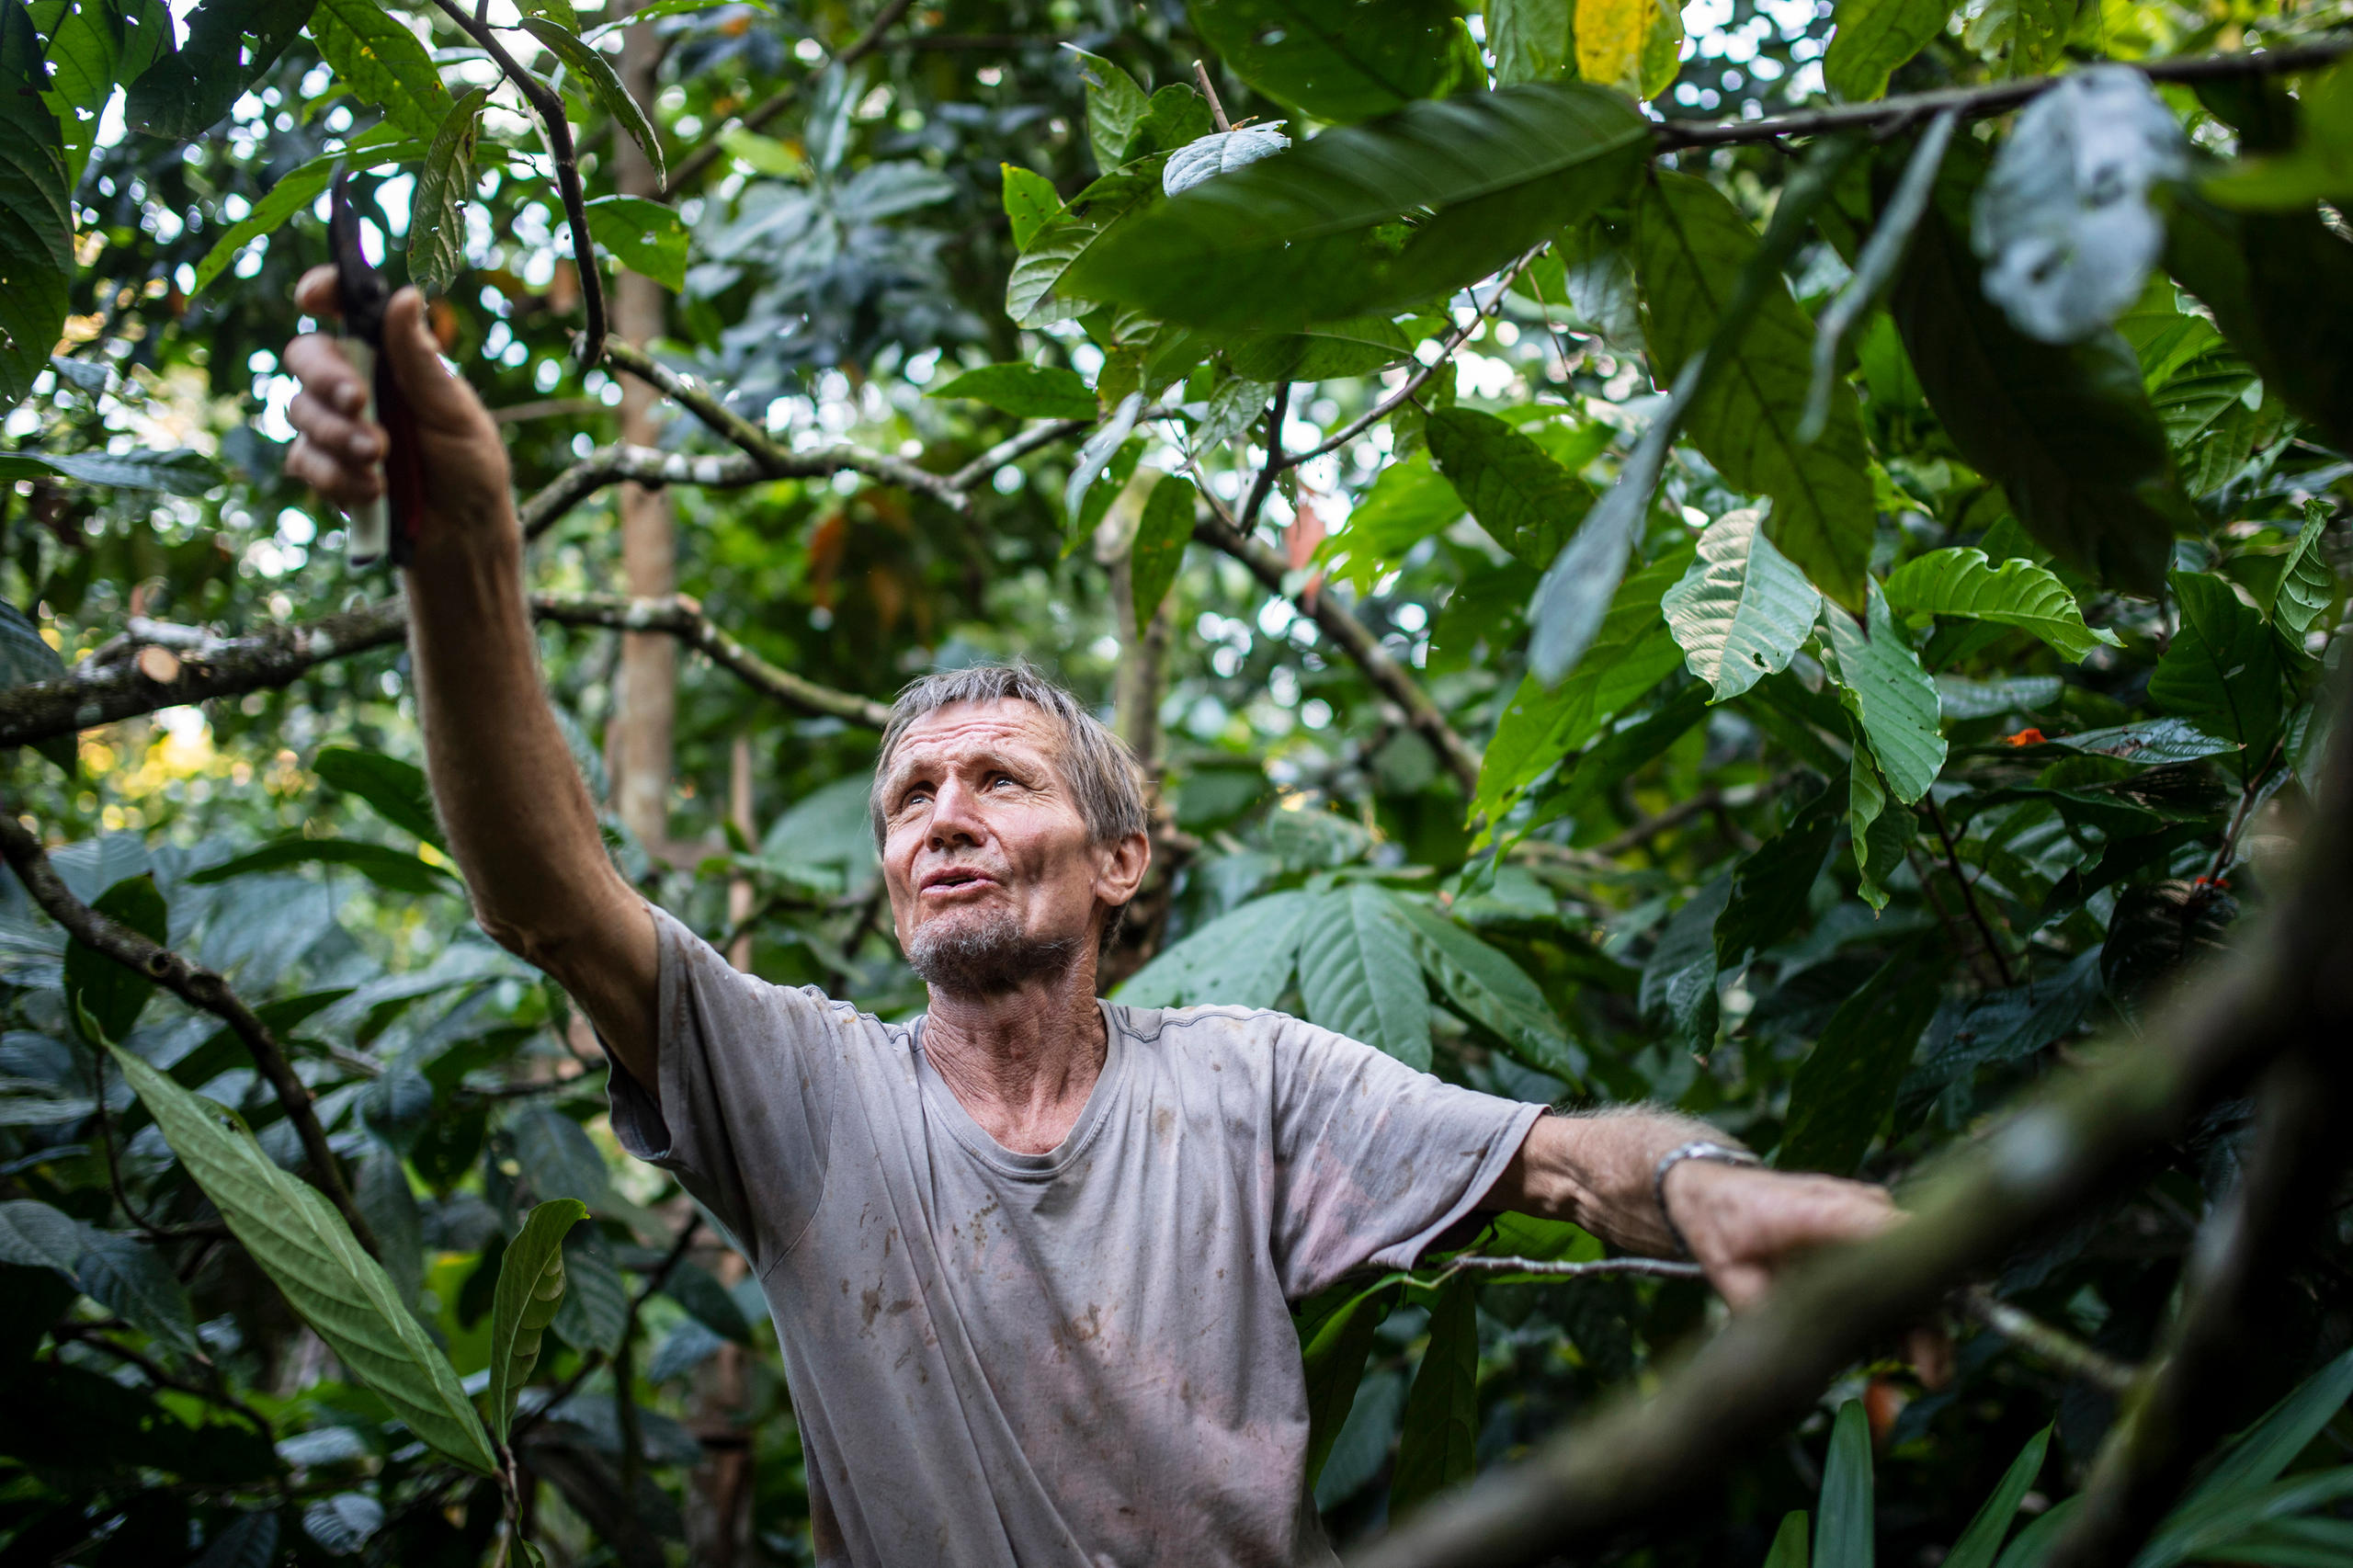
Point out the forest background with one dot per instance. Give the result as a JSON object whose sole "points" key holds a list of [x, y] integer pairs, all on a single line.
{"points": [[1767, 559]]}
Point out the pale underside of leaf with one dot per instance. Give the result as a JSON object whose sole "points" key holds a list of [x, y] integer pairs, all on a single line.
{"points": [[1743, 610]]}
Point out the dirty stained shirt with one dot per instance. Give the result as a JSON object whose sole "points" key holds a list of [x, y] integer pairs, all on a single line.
{"points": [[1061, 1360]]}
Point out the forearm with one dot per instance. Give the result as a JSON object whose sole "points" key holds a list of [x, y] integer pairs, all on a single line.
{"points": [[1597, 1170]]}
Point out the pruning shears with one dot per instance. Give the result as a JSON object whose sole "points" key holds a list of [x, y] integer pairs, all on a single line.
{"points": [[387, 525]]}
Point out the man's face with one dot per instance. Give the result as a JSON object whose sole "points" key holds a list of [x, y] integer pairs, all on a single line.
{"points": [[992, 875]]}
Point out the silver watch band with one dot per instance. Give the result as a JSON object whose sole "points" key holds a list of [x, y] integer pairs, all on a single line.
{"points": [[1700, 1149]]}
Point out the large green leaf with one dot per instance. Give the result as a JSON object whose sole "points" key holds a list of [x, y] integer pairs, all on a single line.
{"points": [[2066, 431], [1336, 59], [1983, 1539], [2222, 670], [299, 1240], [1848, 1526], [1026, 391], [1882, 683], [92, 45], [1115, 107], [36, 221], [1440, 1447], [1629, 654], [1159, 548], [1407, 503], [298, 188], [1772, 884], [1690, 245], [1872, 38], [1290, 239], [1358, 974], [1323, 351], [2017, 593], [132, 1279], [2268, 1448], [1847, 1085], [1035, 292], [642, 234], [594, 1313], [1334, 1348], [2281, 286], [378, 61], [588, 65], [437, 227], [1528, 503], [1743, 610], [178, 470], [2307, 584], [1030, 201], [395, 870], [1490, 990], [1242, 959], [530, 1288], [1679, 977], [394, 789], [112, 994], [1532, 41], [1789, 1548], [230, 43]]}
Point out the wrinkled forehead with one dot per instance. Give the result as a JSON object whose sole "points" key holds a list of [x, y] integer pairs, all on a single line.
{"points": [[1005, 728]]}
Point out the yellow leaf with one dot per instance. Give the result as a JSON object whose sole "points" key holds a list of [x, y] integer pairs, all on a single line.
{"points": [[1609, 40]]}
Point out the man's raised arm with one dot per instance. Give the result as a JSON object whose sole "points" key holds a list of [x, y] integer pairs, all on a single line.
{"points": [[519, 819]]}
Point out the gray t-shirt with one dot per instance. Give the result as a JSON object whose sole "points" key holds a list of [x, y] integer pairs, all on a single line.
{"points": [[1060, 1360]]}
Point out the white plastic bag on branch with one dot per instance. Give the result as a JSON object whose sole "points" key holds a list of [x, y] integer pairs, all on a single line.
{"points": [[2064, 220], [1219, 152]]}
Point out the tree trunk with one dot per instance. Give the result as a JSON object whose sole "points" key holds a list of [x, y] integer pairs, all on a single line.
{"points": [[638, 740]]}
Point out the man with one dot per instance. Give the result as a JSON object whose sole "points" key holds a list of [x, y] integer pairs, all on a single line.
{"points": [[1028, 1256]]}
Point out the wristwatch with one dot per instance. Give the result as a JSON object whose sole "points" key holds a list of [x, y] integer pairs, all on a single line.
{"points": [[1701, 1149]]}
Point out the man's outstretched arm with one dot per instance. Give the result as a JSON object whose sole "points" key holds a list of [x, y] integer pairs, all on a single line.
{"points": [[519, 819], [1743, 1223]]}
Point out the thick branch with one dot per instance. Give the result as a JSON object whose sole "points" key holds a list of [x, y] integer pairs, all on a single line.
{"points": [[776, 462], [1890, 115], [2284, 984], [649, 466], [1028, 441], [682, 617], [777, 103], [197, 986], [1388, 677]]}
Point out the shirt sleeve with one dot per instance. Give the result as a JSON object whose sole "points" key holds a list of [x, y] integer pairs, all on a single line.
{"points": [[748, 1081], [1374, 1160]]}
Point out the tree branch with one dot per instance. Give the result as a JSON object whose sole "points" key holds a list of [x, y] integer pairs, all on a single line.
{"points": [[777, 103], [199, 987], [2085, 1133], [776, 462], [648, 466], [682, 617], [1387, 675], [2063, 1350], [1890, 115]]}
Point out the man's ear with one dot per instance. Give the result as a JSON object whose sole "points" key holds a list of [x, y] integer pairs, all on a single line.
{"points": [[1123, 870]]}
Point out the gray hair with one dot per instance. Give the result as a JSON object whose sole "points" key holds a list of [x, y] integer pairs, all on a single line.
{"points": [[1096, 765]]}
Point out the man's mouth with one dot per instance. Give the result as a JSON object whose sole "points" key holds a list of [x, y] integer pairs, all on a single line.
{"points": [[951, 880]]}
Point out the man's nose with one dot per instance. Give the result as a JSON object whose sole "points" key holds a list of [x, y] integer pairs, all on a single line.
{"points": [[955, 816]]}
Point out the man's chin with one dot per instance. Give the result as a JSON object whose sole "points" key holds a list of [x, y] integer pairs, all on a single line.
{"points": [[982, 952]]}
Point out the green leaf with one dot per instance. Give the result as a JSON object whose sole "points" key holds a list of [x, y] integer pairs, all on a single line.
{"points": [[380, 61], [135, 1282], [2272, 1444], [561, 12], [1408, 502], [1532, 41], [306, 1249], [1743, 610], [2318, 168], [1159, 547], [594, 72], [1242, 959], [1493, 993], [2067, 432], [1983, 1539], [33, 1234], [1296, 237], [395, 789], [1324, 351], [295, 192], [2307, 586], [1176, 118], [1335, 1354], [1788, 1548], [1847, 1085], [2280, 285], [394, 870], [1440, 1447], [1874, 37], [1358, 974], [643, 235], [1882, 683], [1528, 503], [91, 47], [1029, 203], [36, 219], [114, 994], [1108, 455], [178, 471], [1845, 1539], [437, 226], [1334, 60], [1026, 391], [1679, 977], [1771, 885], [1690, 244], [2017, 593], [1632, 651], [1115, 107], [594, 1313], [2221, 671], [1035, 294], [1609, 35], [706, 1300], [1662, 49], [229, 44], [531, 1289]]}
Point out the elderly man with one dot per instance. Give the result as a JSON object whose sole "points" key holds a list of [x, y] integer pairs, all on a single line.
{"points": [[1029, 1254]]}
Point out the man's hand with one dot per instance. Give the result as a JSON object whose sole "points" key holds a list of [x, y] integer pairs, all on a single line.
{"points": [[463, 460], [1745, 1224]]}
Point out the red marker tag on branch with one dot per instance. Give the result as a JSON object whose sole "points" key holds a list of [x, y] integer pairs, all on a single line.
{"points": [[386, 527]]}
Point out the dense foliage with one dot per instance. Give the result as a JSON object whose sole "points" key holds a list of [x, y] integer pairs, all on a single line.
{"points": [[1812, 624]]}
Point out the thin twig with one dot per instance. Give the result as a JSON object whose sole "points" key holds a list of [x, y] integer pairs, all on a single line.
{"points": [[1208, 91], [777, 103], [2247, 793], [2062, 1349], [549, 107], [1276, 411], [683, 618], [1654, 1267], [199, 987], [1969, 894], [90, 1334]]}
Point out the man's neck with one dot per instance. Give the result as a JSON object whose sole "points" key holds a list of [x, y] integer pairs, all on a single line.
{"points": [[1021, 1063]]}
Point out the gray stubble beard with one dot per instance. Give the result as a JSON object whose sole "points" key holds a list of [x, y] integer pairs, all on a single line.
{"points": [[987, 956]]}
